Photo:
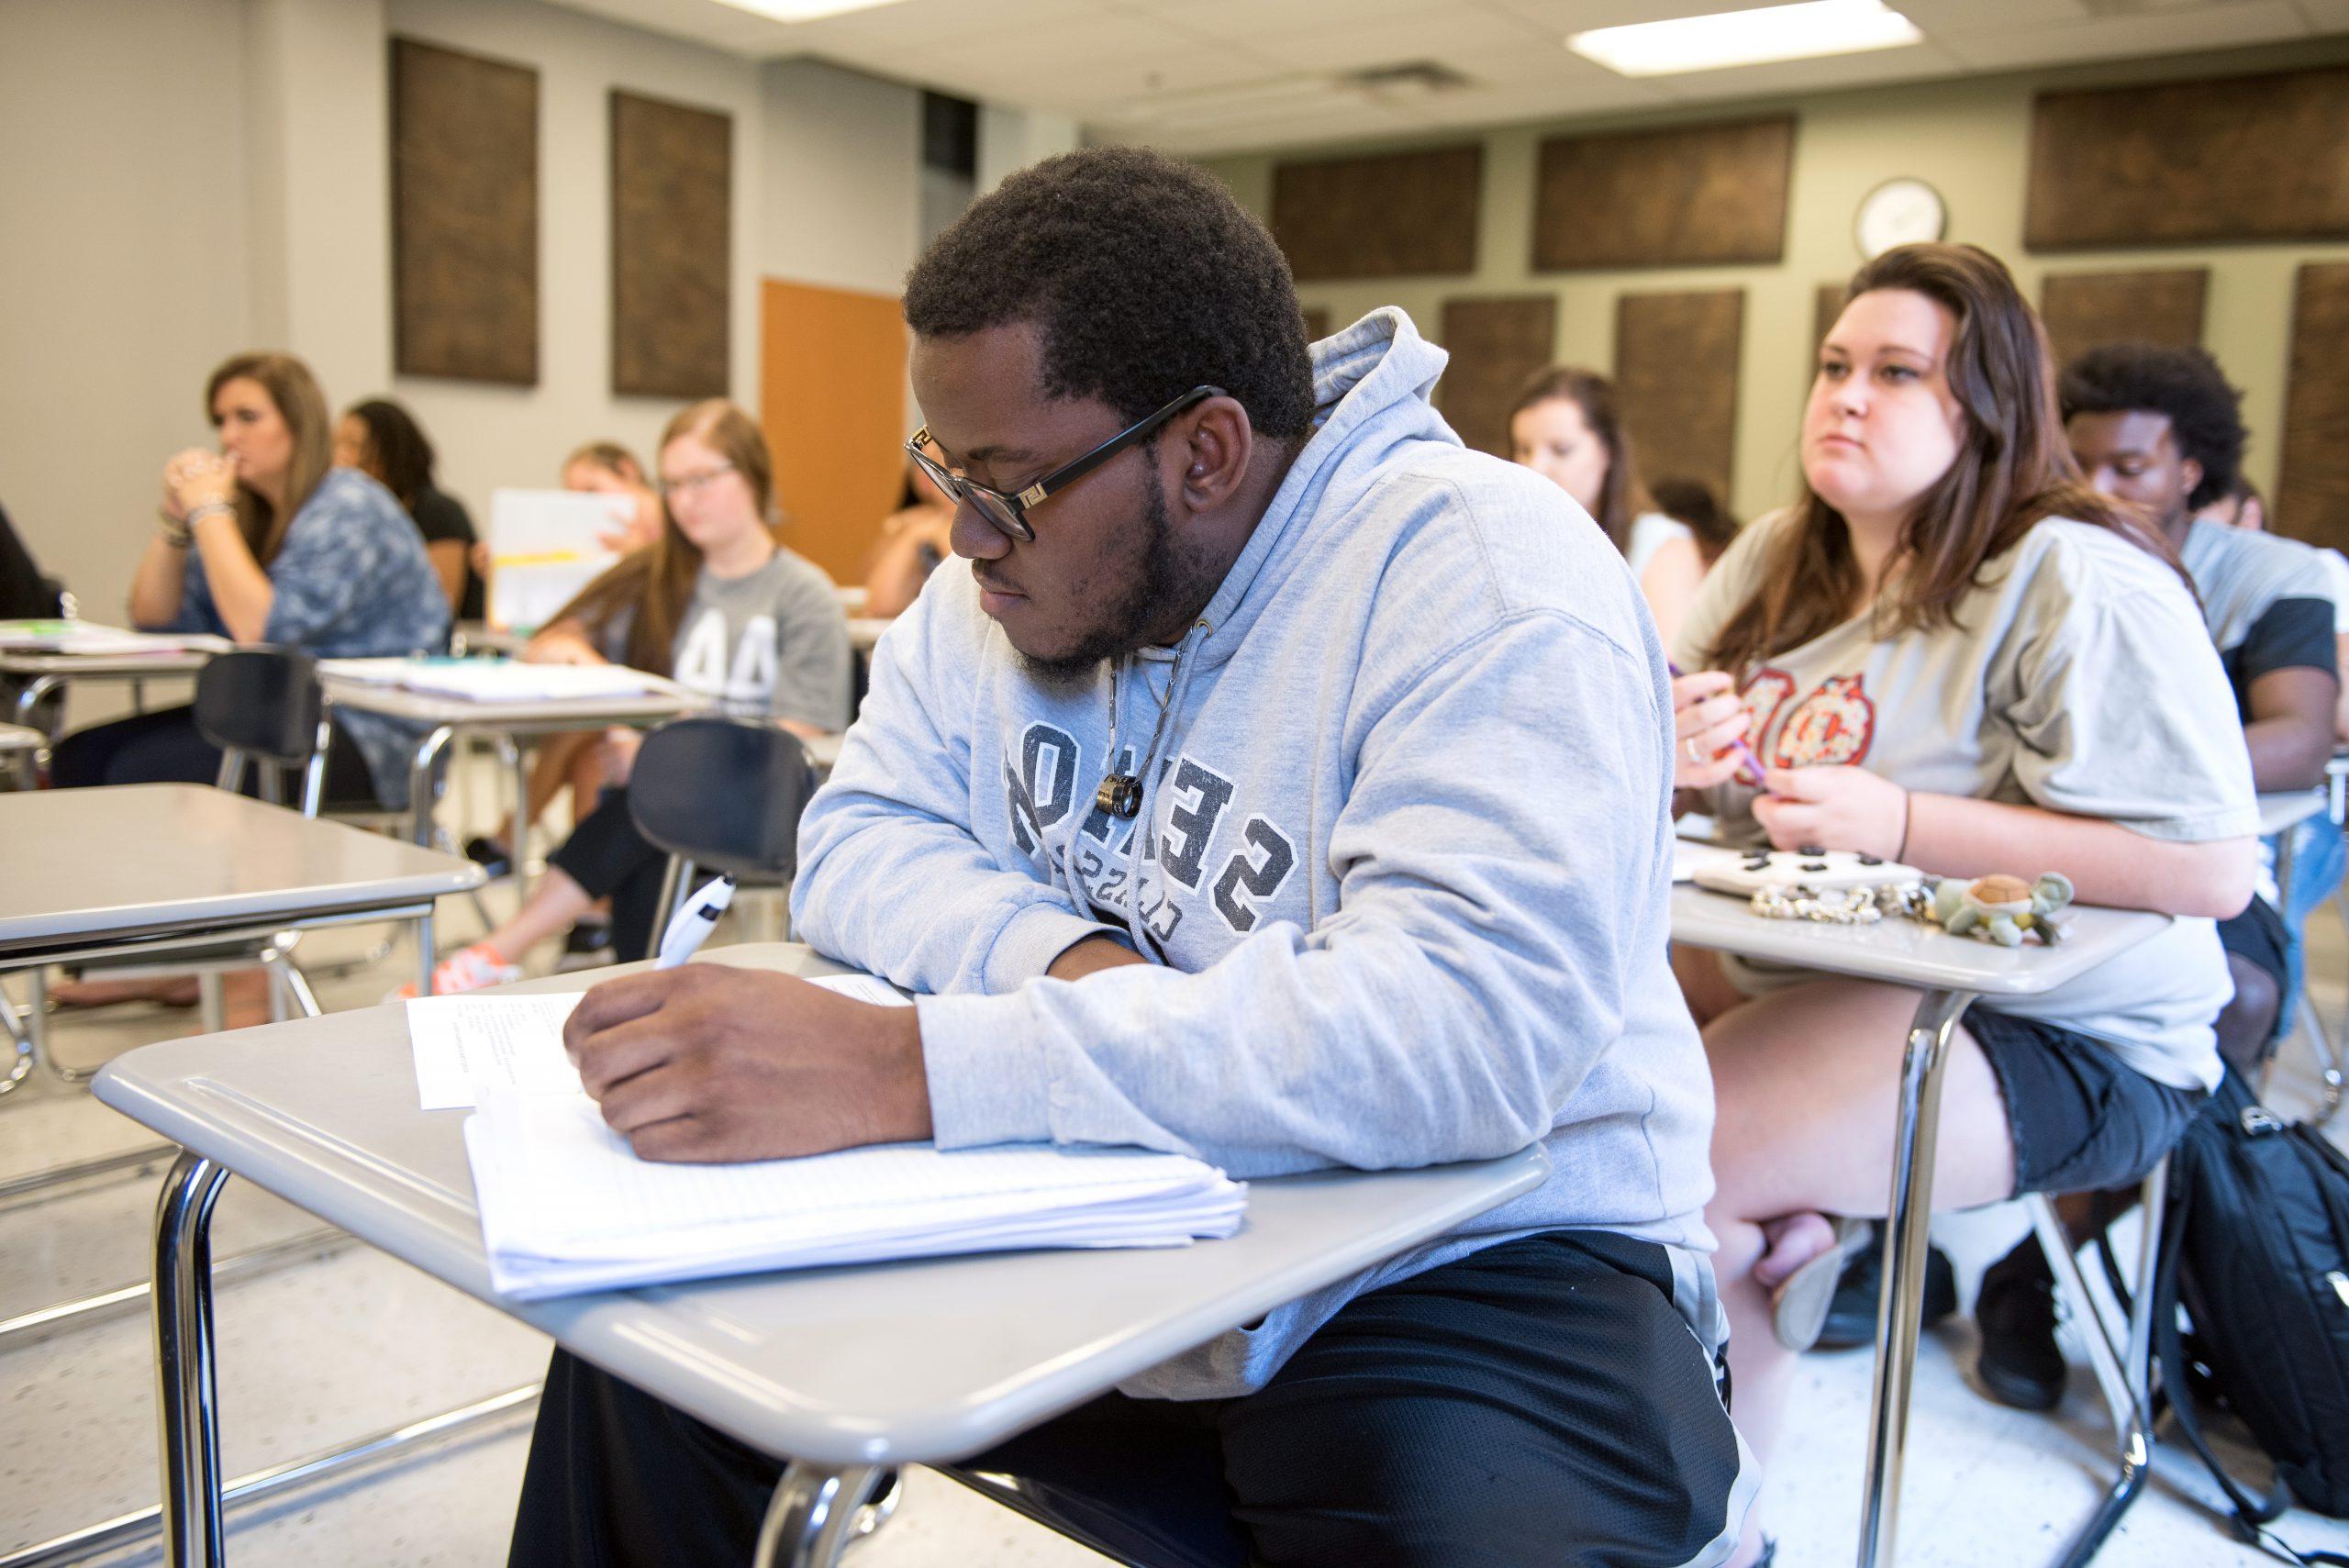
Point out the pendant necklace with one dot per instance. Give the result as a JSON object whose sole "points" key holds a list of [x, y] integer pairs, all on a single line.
{"points": [[1119, 795]]}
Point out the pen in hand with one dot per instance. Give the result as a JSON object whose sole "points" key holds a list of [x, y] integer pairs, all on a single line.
{"points": [[693, 923], [1752, 763]]}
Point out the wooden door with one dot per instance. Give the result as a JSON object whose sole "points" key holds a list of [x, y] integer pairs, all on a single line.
{"points": [[832, 404]]}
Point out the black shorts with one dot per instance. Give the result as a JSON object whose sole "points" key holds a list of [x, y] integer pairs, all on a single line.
{"points": [[2082, 1119], [1539, 1402], [2257, 937]]}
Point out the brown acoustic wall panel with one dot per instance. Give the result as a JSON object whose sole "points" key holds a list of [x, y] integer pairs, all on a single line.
{"points": [[1826, 304], [673, 181], [1691, 196], [464, 215], [2086, 310], [1392, 216], [1677, 359], [1496, 346], [2243, 157], [2312, 496]]}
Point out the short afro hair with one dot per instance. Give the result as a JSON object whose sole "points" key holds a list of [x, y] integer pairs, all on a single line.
{"points": [[1145, 277], [2205, 414]]}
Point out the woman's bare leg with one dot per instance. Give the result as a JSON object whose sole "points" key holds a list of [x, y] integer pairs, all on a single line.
{"points": [[1807, 1081], [1703, 984]]}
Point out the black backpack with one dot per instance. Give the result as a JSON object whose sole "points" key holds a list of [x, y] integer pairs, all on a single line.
{"points": [[2256, 1248]]}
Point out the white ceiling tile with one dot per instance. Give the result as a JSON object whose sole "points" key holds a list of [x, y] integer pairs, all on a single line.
{"points": [[1564, 16], [1934, 15], [1527, 103], [1399, 41], [1085, 64], [917, 26], [2121, 37], [1354, 126], [1244, 19]]}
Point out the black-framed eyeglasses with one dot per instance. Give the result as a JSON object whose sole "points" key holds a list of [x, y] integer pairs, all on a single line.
{"points": [[1007, 514]]}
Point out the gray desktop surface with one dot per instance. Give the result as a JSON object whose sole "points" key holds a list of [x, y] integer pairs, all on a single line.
{"points": [[424, 708], [920, 1362], [130, 859], [1910, 953], [2288, 809]]}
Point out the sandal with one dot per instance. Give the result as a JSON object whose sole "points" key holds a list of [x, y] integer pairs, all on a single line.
{"points": [[1799, 1307]]}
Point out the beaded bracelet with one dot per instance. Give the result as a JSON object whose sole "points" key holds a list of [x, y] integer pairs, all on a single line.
{"points": [[208, 509]]}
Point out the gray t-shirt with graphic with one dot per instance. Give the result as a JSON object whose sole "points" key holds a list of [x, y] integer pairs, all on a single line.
{"points": [[771, 644], [2079, 678]]}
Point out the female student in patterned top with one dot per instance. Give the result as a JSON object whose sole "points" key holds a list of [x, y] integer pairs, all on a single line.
{"points": [[724, 610], [262, 542], [1950, 653]]}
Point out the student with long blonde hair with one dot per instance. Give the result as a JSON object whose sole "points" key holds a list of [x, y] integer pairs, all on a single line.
{"points": [[717, 604]]}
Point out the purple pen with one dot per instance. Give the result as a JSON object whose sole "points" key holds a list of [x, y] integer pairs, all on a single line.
{"points": [[1744, 752]]}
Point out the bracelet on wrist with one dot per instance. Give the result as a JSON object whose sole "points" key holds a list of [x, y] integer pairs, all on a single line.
{"points": [[208, 509]]}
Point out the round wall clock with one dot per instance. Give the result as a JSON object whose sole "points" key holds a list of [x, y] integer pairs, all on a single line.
{"points": [[1899, 212]]}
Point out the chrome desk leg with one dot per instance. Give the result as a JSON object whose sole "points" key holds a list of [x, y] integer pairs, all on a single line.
{"points": [[814, 1514], [518, 755], [2123, 1365], [1910, 1214], [187, 1409], [424, 961], [20, 1061], [30, 698], [423, 782]]}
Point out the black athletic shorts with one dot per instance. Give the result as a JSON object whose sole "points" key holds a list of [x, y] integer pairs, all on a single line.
{"points": [[1539, 1402], [2257, 936], [2081, 1118]]}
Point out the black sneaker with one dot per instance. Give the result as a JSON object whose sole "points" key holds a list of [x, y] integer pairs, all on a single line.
{"points": [[493, 857], [1851, 1318], [588, 946], [2021, 1364]]}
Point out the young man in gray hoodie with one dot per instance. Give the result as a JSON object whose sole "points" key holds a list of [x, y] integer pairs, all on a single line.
{"points": [[1284, 785]]}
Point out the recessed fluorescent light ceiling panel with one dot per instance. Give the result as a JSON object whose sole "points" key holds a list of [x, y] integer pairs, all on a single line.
{"points": [[1746, 37], [803, 10]]}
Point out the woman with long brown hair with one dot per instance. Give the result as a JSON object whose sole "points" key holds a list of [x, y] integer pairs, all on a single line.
{"points": [[264, 542], [1950, 653], [719, 606], [1566, 427]]}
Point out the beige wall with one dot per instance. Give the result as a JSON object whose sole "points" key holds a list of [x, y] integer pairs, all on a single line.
{"points": [[124, 276], [1969, 139], [224, 184]]}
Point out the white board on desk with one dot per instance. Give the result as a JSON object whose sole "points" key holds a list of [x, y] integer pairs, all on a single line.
{"points": [[544, 546]]}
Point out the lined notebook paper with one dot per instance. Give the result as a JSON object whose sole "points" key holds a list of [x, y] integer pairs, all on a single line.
{"points": [[566, 1205]]}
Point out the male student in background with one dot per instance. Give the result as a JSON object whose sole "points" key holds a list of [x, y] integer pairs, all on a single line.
{"points": [[2159, 425], [1281, 784]]}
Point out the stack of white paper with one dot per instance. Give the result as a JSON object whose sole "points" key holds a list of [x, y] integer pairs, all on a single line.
{"points": [[91, 639], [499, 680], [566, 1205]]}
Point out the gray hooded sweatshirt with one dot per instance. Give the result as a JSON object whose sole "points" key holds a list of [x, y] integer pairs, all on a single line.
{"points": [[1406, 872]]}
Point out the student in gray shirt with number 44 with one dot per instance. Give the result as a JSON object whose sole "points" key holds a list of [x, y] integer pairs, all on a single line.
{"points": [[1281, 784]]}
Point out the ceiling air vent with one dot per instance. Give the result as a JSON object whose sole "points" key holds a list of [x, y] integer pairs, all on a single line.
{"points": [[1409, 81]]}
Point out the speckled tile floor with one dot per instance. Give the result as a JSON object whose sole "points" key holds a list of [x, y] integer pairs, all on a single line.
{"points": [[336, 1346]]}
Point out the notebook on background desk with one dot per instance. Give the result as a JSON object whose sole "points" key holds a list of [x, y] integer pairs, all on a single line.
{"points": [[499, 681]]}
